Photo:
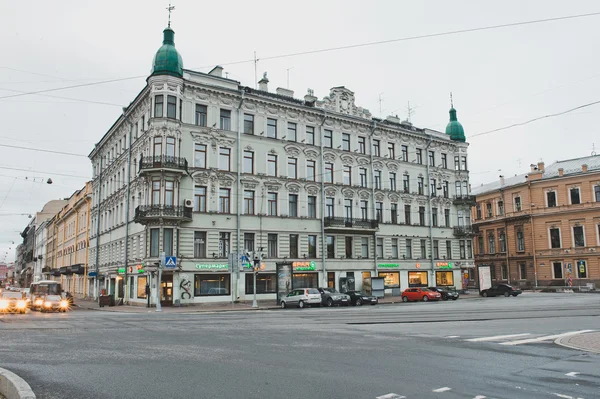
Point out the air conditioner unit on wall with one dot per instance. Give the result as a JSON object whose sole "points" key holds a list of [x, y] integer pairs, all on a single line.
{"points": [[188, 203]]}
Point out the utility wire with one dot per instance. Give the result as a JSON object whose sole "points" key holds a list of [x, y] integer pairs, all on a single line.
{"points": [[66, 98], [46, 172], [41, 150]]}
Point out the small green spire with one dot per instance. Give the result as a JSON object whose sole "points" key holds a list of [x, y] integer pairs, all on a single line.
{"points": [[454, 129], [167, 60]]}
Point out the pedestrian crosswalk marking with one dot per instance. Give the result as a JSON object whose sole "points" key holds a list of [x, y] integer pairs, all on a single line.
{"points": [[526, 338], [496, 337]]}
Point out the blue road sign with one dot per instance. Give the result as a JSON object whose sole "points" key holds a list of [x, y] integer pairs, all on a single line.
{"points": [[170, 262]]}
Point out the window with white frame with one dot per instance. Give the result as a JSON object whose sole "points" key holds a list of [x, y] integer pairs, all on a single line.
{"points": [[574, 195], [557, 270], [551, 199], [554, 237], [578, 236]]}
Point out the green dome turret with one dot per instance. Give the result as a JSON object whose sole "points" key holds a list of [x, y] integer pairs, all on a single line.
{"points": [[454, 129], [167, 60]]}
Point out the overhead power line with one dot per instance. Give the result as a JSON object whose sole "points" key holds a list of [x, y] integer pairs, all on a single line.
{"points": [[41, 150], [45, 172], [537, 119]]}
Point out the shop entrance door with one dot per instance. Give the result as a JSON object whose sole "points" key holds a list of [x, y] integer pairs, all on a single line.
{"points": [[166, 289]]}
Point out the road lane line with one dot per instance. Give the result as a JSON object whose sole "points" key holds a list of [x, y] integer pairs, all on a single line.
{"points": [[444, 389], [544, 338], [480, 397], [453, 336], [496, 337], [573, 373], [391, 396]]}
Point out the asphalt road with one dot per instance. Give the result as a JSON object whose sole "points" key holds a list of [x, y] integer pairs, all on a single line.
{"points": [[477, 348]]}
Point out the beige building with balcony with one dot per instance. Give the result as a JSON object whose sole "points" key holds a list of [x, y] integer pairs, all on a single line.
{"points": [[541, 228]]}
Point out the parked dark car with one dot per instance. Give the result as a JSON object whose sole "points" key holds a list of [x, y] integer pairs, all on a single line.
{"points": [[359, 298], [445, 293], [330, 297], [501, 289]]}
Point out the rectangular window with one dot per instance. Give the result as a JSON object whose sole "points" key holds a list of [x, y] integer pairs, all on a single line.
{"points": [[436, 249], [199, 199], [478, 212], [446, 217], [200, 155], [444, 279], [392, 150], [456, 163], [224, 200], [377, 175], [155, 192], [493, 272], [517, 204], [157, 146], [488, 210], [423, 249], [463, 163], [158, 106], [266, 283], [364, 209], [141, 287], [421, 185], [211, 284], [395, 248], [448, 249], [491, 244], [330, 247], [554, 238], [362, 172], [551, 198], [199, 244], [310, 135], [597, 193], [293, 205], [345, 142], [293, 168], [292, 132], [461, 248], [248, 242], [421, 216], [311, 170], [364, 247], [200, 115], [272, 165], [480, 245], [376, 148], [224, 240], [444, 161], [520, 241], [169, 193], [379, 211], [419, 156], [312, 206], [248, 124], [578, 236], [557, 269], [329, 204], [502, 242], [522, 271], [390, 279], [225, 119], [328, 172], [328, 139], [394, 213], [379, 247], [248, 202], [407, 213], [348, 209], [294, 246], [434, 217], [248, 162], [500, 208], [431, 158], [272, 128], [504, 272], [312, 246], [405, 153], [406, 183], [225, 158], [574, 195], [272, 204], [417, 279], [272, 245], [361, 145], [408, 248], [154, 243], [347, 175], [348, 247], [171, 107]]}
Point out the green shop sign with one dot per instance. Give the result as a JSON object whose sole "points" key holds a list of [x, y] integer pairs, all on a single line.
{"points": [[388, 265], [444, 265], [212, 266], [121, 270], [304, 266]]}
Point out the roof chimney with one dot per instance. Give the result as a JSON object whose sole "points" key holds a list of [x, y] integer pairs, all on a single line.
{"points": [[540, 166], [501, 181], [310, 97], [584, 168], [217, 71], [561, 172], [284, 92], [263, 83]]}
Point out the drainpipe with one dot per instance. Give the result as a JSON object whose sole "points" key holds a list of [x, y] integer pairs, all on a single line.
{"points": [[322, 160], [429, 197], [373, 193], [505, 239], [234, 292], [96, 287], [532, 237], [127, 199]]}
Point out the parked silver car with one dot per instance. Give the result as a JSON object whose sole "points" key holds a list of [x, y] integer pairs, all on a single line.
{"points": [[301, 298]]}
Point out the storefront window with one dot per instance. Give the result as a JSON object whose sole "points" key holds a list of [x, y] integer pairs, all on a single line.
{"points": [[211, 284], [417, 279], [390, 279], [141, 288], [265, 283], [444, 279], [305, 280]]}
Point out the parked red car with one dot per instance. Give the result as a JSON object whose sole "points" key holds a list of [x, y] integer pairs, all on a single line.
{"points": [[420, 294]]}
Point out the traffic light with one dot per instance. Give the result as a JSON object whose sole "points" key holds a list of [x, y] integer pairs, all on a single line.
{"points": [[256, 265]]}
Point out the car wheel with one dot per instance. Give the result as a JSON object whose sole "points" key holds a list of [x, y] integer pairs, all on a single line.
{"points": [[301, 304], [404, 299], [425, 298], [329, 302], [444, 299], [359, 302], [484, 294], [506, 294], [282, 304]]}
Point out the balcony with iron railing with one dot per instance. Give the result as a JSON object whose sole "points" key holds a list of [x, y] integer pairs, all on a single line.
{"points": [[351, 223], [147, 213], [163, 162], [465, 231], [464, 200]]}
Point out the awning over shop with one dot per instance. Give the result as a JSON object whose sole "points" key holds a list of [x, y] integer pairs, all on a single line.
{"points": [[55, 272], [77, 269], [65, 270], [47, 269]]}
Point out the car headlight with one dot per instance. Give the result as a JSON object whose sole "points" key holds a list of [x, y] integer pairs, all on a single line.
{"points": [[48, 304], [21, 304], [64, 303], [3, 304], [39, 302]]}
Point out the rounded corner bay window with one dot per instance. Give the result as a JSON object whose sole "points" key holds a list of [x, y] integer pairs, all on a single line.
{"points": [[211, 284]]}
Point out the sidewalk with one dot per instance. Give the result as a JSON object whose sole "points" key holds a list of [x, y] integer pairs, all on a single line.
{"points": [[215, 307], [589, 342]]}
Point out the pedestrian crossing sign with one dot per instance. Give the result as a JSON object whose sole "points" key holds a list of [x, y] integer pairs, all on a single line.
{"points": [[170, 262]]}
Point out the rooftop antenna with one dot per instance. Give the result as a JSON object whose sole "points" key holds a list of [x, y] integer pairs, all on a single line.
{"points": [[593, 150], [255, 75], [170, 8], [380, 101], [519, 163], [288, 76], [410, 111]]}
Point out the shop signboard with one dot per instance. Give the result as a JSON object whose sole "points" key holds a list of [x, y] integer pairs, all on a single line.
{"points": [[444, 265], [212, 266], [485, 278], [304, 266], [388, 265], [121, 270], [284, 279]]}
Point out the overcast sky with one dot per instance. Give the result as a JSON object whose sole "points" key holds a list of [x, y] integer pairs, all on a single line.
{"points": [[498, 77]]}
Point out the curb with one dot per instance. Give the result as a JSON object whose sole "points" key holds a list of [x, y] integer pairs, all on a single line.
{"points": [[14, 387], [559, 341]]}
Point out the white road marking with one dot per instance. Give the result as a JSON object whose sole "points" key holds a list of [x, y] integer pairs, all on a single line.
{"points": [[444, 389], [480, 397], [391, 396], [560, 395], [544, 338], [496, 337], [573, 373], [453, 336]]}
